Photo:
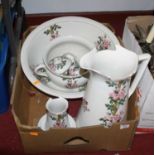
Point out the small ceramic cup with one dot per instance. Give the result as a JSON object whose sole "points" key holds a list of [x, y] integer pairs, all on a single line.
{"points": [[58, 65], [57, 116]]}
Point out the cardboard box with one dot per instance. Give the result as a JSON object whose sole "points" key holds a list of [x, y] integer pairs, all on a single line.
{"points": [[146, 84], [28, 105]]}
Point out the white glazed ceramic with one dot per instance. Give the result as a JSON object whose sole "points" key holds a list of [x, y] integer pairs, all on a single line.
{"points": [[64, 70], [108, 88], [34, 46], [42, 124], [58, 65], [56, 116]]}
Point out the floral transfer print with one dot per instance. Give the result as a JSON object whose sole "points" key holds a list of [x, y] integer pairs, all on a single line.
{"points": [[108, 120], [85, 105], [53, 31], [57, 66], [116, 98], [59, 121], [138, 94], [103, 43], [71, 83]]}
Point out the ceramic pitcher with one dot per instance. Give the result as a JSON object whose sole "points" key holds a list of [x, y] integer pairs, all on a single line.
{"points": [[109, 85]]}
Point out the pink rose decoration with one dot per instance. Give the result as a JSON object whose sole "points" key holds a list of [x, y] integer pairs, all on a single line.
{"points": [[116, 118], [106, 44], [114, 96], [121, 94], [52, 67], [117, 95]]}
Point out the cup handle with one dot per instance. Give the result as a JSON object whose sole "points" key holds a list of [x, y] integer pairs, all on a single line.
{"points": [[144, 60], [40, 70]]}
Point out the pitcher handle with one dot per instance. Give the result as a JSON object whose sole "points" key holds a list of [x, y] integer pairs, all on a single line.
{"points": [[144, 59], [38, 70]]}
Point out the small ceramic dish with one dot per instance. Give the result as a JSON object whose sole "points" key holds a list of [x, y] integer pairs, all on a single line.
{"points": [[42, 124], [58, 65], [64, 70]]}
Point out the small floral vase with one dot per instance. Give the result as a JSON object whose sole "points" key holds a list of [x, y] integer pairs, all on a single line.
{"points": [[57, 116]]}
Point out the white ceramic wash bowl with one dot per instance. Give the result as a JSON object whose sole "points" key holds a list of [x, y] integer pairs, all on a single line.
{"points": [[34, 46]]}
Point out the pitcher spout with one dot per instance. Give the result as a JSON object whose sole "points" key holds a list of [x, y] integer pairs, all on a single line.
{"points": [[87, 59]]}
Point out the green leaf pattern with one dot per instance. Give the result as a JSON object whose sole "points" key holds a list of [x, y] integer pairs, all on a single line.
{"points": [[53, 31], [116, 98], [103, 43], [85, 105], [59, 121]]}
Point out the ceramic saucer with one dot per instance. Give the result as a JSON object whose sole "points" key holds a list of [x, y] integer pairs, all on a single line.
{"points": [[42, 124]]}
